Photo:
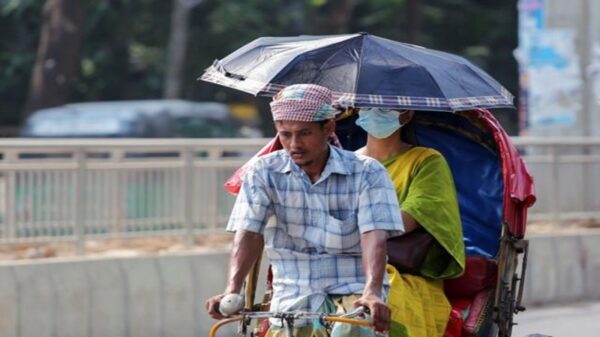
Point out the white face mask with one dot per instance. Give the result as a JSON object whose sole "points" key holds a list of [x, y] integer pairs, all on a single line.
{"points": [[380, 123]]}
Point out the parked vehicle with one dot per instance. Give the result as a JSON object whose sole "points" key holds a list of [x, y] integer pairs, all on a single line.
{"points": [[137, 119]]}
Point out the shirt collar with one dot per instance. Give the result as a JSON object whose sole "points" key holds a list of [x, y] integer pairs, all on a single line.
{"points": [[335, 164]]}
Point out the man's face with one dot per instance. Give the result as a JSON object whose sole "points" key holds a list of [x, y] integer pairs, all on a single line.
{"points": [[305, 142]]}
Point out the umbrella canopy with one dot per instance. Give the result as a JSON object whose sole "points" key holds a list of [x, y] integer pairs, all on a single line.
{"points": [[363, 70]]}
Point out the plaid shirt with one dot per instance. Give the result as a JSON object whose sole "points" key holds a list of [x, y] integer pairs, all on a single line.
{"points": [[312, 231]]}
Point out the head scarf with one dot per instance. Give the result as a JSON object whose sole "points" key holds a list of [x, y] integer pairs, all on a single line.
{"points": [[303, 103]]}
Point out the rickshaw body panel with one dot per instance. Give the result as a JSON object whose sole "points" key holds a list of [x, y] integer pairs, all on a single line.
{"points": [[473, 160], [509, 189]]}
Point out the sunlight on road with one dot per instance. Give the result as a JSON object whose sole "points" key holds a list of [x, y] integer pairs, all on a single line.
{"points": [[568, 320]]}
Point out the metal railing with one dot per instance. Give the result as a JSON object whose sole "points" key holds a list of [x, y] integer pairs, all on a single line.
{"points": [[566, 172], [53, 190]]}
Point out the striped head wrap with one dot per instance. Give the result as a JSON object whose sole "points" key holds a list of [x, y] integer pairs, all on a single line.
{"points": [[303, 103]]}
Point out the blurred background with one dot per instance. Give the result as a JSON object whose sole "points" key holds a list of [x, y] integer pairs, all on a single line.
{"points": [[113, 155], [57, 52]]}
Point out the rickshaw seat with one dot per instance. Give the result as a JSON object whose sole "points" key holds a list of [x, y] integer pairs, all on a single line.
{"points": [[471, 298], [471, 317], [480, 274]]}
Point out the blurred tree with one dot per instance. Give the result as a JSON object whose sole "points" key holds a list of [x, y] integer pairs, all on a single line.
{"points": [[19, 27], [123, 56], [57, 58], [332, 16], [104, 63], [177, 46], [413, 18]]}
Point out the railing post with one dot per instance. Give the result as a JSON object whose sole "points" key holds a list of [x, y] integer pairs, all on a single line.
{"points": [[187, 180], [587, 188], [80, 201], [554, 185], [11, 196], [213, 205], [118, 190]]}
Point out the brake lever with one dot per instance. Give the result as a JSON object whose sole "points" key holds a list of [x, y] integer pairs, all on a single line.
{"points": [[356, 312]]}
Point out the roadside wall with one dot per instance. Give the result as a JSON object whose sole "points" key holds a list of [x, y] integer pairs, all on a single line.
{"points": [[110, 297], [563, 268], [162, 296]]}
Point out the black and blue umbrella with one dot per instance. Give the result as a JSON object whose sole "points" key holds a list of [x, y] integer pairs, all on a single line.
{"points": [[363, 70]]}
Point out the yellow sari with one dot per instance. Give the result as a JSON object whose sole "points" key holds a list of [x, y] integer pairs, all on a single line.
{"points": [[426, 191]]}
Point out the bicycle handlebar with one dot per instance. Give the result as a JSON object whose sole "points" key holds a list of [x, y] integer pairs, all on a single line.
{"points": [[293, 315]]}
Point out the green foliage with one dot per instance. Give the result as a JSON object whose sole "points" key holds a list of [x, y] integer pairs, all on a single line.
{"points": [[318, 3]]}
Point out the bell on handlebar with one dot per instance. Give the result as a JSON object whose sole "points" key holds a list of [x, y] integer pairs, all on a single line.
{"points": [[231, 304]]}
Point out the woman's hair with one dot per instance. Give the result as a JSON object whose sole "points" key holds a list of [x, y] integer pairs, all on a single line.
{"points": [[408, 134]]}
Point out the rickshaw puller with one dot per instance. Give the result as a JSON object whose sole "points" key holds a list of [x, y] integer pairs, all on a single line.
{"points": [[323, 216]]}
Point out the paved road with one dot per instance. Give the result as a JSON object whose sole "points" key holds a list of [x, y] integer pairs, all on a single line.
{"points": [[569, 320]]}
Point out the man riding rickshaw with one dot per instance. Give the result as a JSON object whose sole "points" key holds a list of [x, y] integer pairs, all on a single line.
{"points": [[329, 219]]}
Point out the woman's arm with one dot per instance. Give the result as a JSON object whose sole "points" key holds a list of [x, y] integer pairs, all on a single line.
{"points": [[410, 224]]}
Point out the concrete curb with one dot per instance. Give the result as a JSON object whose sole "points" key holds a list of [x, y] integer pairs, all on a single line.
{"points": [[155, 296]]}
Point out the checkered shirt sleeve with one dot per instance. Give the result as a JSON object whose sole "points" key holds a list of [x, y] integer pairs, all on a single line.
{"points": [[253, 205], [378, 202]]}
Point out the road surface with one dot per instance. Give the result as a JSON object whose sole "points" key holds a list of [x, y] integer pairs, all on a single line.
{"points": [[568, 320]]}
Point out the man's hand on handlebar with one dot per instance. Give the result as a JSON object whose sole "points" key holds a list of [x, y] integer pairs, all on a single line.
{"points": [[380, 313], [212, 306]]}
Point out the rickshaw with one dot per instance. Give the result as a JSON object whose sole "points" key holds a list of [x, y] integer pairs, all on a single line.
{"points": [[493, 185], [494, 190]]}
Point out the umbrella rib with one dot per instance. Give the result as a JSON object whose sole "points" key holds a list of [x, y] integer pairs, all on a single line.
{"points": [[362, 46]]}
